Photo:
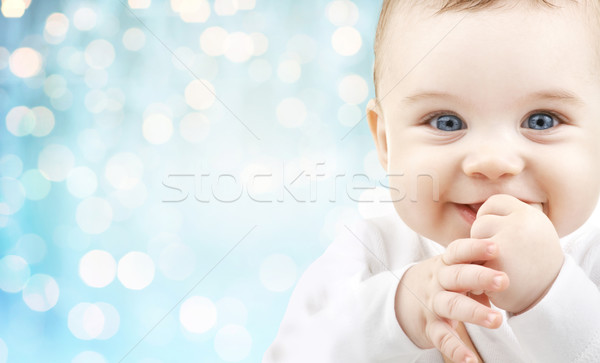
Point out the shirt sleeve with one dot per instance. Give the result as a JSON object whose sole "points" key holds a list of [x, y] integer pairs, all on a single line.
{"points": [[342, 309], [565, 325]]}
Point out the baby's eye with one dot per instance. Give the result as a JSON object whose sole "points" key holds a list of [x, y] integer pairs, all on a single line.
{"points": [[540, 121], [447, 123]]}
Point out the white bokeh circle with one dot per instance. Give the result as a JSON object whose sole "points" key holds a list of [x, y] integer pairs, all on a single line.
{"points": [[198, 314], [233, 343], [200, 94], [291, 112], [97, 268], [353, 89], [55, 162], [94, 215], [124, 170], [194, 127], [14, 273], [346, 41], [135, 270], [41, 292], [82, 182]]}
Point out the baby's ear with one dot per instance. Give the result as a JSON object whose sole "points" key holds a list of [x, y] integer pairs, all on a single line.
{"points": [[377, 126]]}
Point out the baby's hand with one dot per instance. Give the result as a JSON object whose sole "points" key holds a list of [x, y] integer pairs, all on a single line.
{"points": [[431, 297], [528, 250]]}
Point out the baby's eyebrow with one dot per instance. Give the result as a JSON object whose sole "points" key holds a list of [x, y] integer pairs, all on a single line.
{"points": [[560, 95]]}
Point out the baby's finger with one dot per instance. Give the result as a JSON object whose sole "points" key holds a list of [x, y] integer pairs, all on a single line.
{"points": [[499, 204], [451, 305], [468, 277], [467, 250], [448, 342]]}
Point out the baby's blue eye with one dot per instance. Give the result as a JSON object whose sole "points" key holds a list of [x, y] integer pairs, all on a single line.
{"points": [[447, 123], [541, 121]]}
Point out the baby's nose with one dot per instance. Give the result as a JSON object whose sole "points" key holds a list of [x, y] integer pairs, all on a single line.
{"points": [[493, 161]]}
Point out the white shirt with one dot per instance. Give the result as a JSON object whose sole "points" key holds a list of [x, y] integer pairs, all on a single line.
{"points": [[342, 309]]}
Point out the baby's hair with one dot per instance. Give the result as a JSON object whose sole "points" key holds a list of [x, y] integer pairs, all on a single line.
{"points": [[390, 6]]}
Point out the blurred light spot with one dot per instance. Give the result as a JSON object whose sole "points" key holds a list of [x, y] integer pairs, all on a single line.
{"points": [[35, 184], [197, 314], [115, 99], [124, 170], [157, 128], [194, 127], [112, 320], [139, 4], [134, 39], [89, 356], [346, 41], [84, 19], [99, 53], [76, 62], [3, 351], [260, 43], [135, 270], [31, 247], [55, 86], [14, 273], [177, 261], [96, 78], [349, 115], [55, 162], [212, 40], [11, 166], [41, 292], [231, 311], [238, 47], [291, 112], [278, 272], [25, 62], [95, 101], [57, 25], [200, 94], [63, 102], [260, 70], [20, 121], [91, 144], [12, 195], [4, 56], [257, 178], [192, 11], [132, 198], [353, 89], [97, 268], [303, 46], [13, 8], [246, 4], [44, 121], [225, 7], [82, 182], [94, 215], [342, 13], [85, 321], [289, 71], [233, 343]]}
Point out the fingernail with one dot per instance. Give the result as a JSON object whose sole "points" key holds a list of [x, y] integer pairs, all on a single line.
{"points": [[491, 249], [470, 360], [491, 319], [498, 282]]}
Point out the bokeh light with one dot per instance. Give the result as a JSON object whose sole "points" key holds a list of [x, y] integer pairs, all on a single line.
{"points": [[25, 62], [197, 314], [41, 292], [110, 111]]}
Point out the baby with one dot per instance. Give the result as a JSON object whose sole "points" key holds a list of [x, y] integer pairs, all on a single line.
{"points": [[487, 121]]}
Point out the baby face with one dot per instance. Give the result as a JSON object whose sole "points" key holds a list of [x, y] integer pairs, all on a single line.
{"points": [[507, 103]]}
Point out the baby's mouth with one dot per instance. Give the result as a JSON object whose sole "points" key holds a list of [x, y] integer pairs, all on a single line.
{"points": [[474, 207]]}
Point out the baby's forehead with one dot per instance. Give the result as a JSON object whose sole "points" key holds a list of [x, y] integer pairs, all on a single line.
{"points": [[400, 20]]}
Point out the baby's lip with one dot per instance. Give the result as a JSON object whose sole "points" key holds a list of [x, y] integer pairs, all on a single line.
{"points": [[474, 206]]}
